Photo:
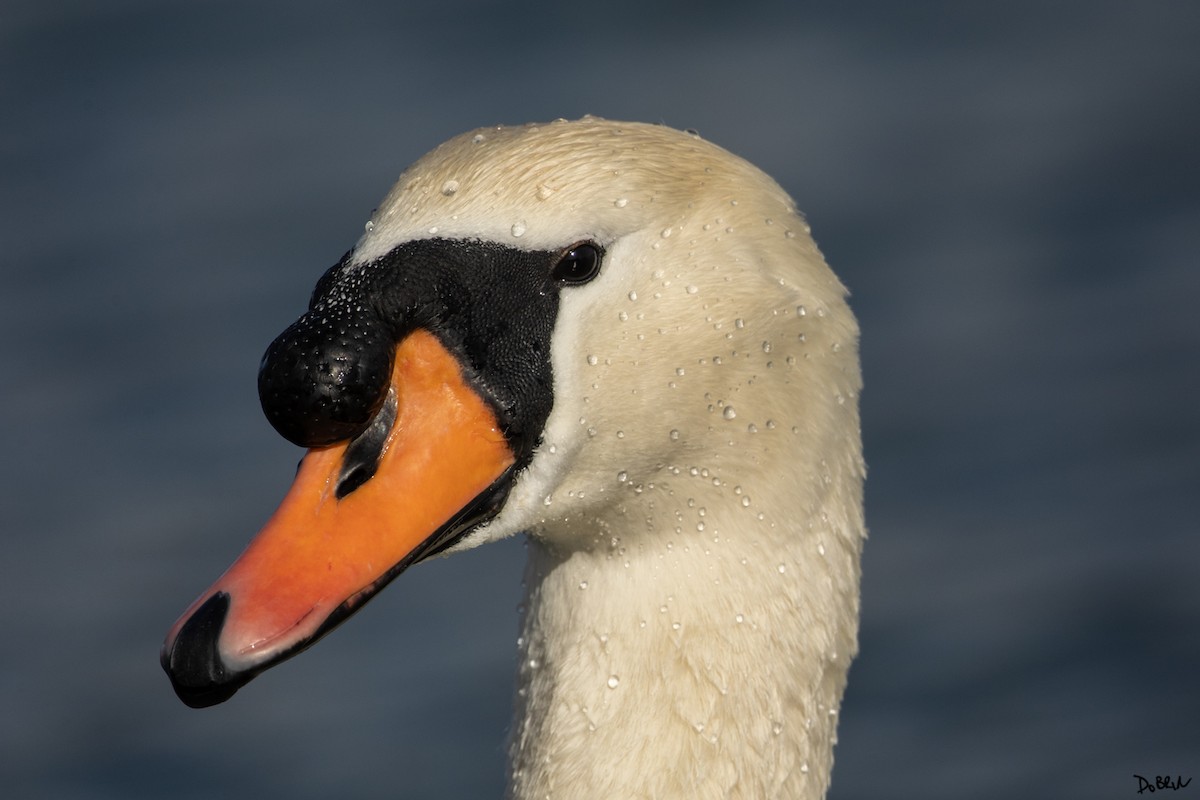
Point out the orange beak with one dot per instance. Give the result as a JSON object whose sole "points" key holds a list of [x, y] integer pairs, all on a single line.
{"points": [[443, 468]]}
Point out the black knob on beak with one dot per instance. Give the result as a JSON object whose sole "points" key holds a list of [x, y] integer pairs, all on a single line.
{"points": [[325, 377]]}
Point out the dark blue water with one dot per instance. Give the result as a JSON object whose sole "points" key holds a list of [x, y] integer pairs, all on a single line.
{"points": [[1011, 190]]}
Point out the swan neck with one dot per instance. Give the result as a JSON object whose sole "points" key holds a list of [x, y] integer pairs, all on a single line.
{"points": [[720, 648]]}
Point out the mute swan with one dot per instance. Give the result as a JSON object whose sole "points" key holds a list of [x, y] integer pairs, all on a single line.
{"points": [[621, 339]]}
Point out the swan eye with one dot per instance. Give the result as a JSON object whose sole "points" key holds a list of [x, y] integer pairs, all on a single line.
{"points": [[578, 265]]}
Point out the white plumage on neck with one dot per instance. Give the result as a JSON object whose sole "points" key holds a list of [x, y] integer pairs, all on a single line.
{"points": [[695, 505]]}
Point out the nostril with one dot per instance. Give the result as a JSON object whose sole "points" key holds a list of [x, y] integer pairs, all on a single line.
{"points": [[362, 456]]}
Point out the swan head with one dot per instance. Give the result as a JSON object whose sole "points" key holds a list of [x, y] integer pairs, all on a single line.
{"points": [[539, 325]]}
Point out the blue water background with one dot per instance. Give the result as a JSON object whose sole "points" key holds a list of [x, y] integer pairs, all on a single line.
{"points": [[1011, 190]]}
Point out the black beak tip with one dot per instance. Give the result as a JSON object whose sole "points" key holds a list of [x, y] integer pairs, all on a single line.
{"points": [[194, 697], [193, 662]]}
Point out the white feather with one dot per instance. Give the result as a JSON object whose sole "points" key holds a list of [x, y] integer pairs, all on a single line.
{"points": [[695, 506]]}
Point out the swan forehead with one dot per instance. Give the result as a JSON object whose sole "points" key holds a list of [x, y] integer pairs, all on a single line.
{"points": [[546, 186]]}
